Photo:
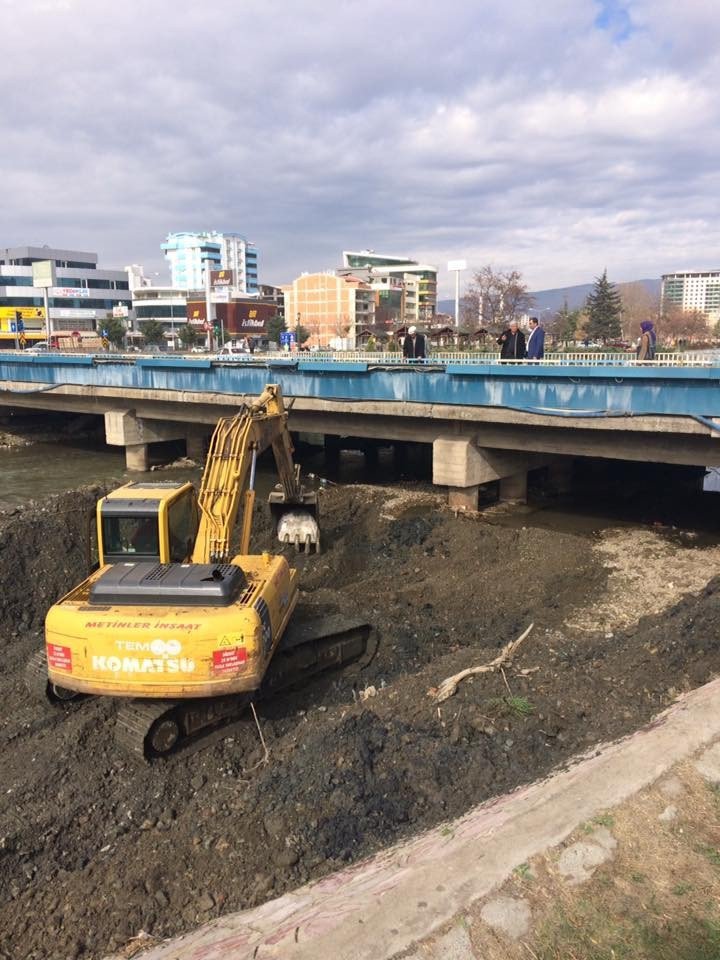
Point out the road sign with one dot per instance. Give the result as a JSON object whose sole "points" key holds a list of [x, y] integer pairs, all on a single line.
{"points": [[457, 265], [20, 324], [287, 338]]}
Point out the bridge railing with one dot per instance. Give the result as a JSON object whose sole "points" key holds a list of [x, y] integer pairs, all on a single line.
{"points": [[589, 358]]}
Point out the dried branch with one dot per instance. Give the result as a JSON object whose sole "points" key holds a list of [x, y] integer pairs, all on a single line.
{"points": [[448, 687]]}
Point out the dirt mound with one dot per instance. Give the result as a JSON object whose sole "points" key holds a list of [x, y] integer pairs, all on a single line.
{"points": [[94, 848]]}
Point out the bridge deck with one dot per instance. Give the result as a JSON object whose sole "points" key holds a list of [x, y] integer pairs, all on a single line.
{"points": [[554, 388]]}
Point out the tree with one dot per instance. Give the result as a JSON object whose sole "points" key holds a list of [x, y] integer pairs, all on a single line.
{"points": [[638, 304], [188, 335], [302, 333], [678, 324], [494, 297], [276, 326], [116, 331], [604, 307], [564, 325], [153, 332]]}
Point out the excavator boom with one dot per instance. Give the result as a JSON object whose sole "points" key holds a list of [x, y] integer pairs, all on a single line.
{"points": [[229, 478]]}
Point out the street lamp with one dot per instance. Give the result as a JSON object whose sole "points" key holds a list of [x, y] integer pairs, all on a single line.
{"points": [[297, 332]]}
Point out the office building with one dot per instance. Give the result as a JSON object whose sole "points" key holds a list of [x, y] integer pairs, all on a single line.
{"points": [[419, 279], [694, 290], [190, 253], [83, 297]]}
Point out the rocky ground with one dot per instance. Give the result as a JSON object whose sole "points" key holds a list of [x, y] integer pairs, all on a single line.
{"points": [[94, 848]]}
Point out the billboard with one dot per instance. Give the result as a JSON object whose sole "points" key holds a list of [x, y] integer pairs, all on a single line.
{"points": [[26, 313], [75, 292], [246, 318], [222, 278]]}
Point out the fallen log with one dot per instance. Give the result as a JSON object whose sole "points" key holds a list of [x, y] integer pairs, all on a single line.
{"points": [[448, 687]]}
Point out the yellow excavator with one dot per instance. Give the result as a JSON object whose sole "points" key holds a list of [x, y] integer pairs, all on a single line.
{"points": [[171, 621]]}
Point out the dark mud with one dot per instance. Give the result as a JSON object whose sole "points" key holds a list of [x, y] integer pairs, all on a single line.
{"points": [[94, 848]]}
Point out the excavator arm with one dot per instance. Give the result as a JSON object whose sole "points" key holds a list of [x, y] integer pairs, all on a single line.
{"points": [[229, 478]]}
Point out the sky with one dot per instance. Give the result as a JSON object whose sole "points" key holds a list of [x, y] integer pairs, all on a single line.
{"points": [[557, 138]]}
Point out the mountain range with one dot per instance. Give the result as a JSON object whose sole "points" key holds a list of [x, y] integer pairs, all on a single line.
{"points": [[553, 299]]}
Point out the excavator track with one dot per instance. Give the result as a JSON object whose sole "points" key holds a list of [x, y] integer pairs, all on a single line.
{"points": [[152, 729]]}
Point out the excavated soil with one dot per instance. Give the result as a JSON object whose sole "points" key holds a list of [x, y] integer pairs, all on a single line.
{"points": [[95, 848]]}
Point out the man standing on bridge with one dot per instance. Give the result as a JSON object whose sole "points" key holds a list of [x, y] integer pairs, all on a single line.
{"points": [[536, 341], [512, 343], [414, 345]]}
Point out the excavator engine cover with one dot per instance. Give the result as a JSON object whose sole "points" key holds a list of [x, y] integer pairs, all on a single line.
{"points": [[163, 584]]}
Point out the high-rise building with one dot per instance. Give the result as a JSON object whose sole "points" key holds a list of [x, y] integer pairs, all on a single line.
{"points": [[190, 253], [83, 297], [422, 300], [694, 290]]}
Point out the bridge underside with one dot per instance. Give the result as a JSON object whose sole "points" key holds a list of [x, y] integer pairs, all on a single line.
{"points": [[471, 445]]}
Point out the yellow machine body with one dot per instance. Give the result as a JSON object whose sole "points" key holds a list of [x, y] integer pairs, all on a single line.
{"points": [[178, 643], [173, 652]]}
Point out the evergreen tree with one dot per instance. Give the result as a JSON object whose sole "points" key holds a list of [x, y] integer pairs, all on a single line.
{"points": [[565, 323], [276, 326], [153, 332], [604, 307], [115, 328], [188, 335]]}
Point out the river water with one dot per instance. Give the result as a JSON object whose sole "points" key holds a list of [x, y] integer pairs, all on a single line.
{"points": [[660, 496]]}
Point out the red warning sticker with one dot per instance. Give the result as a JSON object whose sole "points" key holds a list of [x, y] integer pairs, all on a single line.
{"points": [[59, 658], [229, 661]]}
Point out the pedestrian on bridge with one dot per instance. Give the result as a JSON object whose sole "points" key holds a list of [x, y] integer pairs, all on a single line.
{"points": [[646, 347], [512, 343], [414, 345], [535, 341]]}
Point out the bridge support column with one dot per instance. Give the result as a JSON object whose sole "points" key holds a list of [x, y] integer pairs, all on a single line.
{"points": [[560, 475], [124, 429], [462, 466], [513, 489], [196, 446], [136, 457]]}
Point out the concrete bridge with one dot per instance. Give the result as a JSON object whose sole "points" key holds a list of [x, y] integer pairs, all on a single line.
{"points": [[486, 420]]}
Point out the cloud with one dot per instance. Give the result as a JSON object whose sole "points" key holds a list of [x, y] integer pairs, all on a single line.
{"points": [[557, 138]]}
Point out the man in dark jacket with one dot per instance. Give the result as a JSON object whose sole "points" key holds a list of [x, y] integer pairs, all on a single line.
{"points": [[414, 345], [512, 343], [535, 341]]}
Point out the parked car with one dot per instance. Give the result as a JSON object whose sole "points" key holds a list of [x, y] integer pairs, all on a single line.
{"points": [[40, 347]]}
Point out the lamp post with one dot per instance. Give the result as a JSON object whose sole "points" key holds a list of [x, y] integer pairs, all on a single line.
{"points": [[456, 266], [297, 331]]}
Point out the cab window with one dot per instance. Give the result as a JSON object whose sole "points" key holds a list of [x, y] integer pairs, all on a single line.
{"points": [[182, 527], [131, 536]]}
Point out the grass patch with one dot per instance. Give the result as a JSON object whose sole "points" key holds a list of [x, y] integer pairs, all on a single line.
{"points": [[588, 933], [712, 854]]}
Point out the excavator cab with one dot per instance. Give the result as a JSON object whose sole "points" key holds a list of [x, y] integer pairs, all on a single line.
{"points": [[147, 521]]}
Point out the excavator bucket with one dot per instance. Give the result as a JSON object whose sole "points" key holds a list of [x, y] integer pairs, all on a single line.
{"points": [[296, 522]]}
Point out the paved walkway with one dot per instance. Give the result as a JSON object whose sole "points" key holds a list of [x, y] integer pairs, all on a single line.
{"points": [[400, 902]]}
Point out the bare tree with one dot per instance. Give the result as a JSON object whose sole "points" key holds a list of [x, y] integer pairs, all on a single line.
{"points": [[638, 304], [494, 297], [678, 324]]}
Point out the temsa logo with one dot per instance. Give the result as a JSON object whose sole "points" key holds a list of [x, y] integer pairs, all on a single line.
{"points": [[160, 648]]}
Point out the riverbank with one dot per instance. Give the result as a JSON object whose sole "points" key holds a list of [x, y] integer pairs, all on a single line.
{"points": [[97, 848]]}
